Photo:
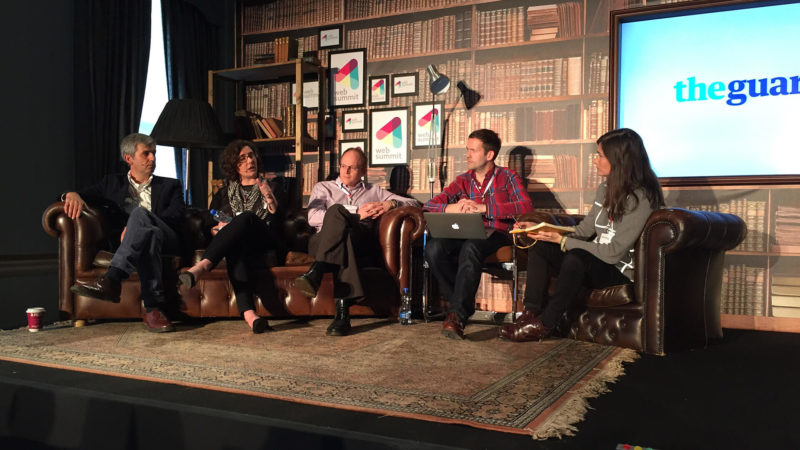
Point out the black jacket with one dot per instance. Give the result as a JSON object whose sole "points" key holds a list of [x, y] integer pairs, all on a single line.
{"points": [[166, 196]]}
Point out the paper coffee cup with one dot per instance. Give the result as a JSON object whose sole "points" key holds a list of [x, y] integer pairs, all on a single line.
{"points": [[35, 318], [352, 209]]}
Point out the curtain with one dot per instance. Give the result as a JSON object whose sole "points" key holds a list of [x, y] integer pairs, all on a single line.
{"points": [[112, 47], [192, 31]]}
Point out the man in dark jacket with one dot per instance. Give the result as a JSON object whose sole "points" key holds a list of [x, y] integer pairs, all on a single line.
{"points": [[153, 206]]}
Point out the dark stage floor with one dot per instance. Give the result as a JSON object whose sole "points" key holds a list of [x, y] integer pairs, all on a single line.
{"points": [[741, 393]]}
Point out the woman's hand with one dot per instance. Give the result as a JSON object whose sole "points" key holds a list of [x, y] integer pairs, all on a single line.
{"points": [[547, 236], [217, 228], [269, 197], [523, 224]]}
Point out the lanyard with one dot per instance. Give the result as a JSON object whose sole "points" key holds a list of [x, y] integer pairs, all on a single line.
{"points": [[347, 193], [488, 186]]}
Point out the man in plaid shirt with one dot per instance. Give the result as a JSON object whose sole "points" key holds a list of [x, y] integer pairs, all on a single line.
{"points": [[498, 194]]}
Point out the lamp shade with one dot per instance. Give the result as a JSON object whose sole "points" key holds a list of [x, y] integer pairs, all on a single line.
{"points": [[439, 83], [471, 98], [188, 123]]}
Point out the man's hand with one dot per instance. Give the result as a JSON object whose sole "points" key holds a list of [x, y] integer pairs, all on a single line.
{"points": [[465, 205], [373, 210], [73, 205]]}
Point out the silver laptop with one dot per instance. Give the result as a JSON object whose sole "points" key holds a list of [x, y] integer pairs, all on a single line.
{"points": [[457, 226]]}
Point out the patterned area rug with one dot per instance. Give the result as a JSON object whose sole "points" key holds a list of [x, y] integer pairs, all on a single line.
{"points": [[383, 367]]}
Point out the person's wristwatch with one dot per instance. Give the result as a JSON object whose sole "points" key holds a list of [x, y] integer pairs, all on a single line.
{"points": [[393, 203]]}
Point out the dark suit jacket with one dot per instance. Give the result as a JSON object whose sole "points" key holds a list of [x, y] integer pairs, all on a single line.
{"points": [[166, 196]]}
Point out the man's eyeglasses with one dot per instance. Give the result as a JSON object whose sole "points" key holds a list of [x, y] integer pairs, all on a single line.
{"points": [[346, 168]]}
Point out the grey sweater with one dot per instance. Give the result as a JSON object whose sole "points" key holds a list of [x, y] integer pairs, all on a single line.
{"points": [[613, 240]]}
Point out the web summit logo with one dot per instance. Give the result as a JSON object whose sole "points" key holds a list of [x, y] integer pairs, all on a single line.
{"points": [[737, 90], [379, 87], [426, 120], [391, 133], [348, 74]]}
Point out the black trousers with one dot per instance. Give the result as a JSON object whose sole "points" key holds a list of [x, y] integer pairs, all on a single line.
{"points": [[575, 269], [245, 239], [459, 283], [347, 243]]}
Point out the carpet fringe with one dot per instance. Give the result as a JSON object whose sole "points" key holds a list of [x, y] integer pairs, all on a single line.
{"points": [[562, 421]]}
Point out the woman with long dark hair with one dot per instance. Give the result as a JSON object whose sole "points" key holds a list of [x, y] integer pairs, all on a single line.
{"points": [[599, 253], [251, 203]]}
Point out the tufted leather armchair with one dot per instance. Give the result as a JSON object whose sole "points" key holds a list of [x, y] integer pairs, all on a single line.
{"points": [[674, 303], [81, 257]]}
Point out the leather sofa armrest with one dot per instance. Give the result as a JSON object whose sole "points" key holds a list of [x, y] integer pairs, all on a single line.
{"points": [[677, 228], [398, 230], [83, 235]]}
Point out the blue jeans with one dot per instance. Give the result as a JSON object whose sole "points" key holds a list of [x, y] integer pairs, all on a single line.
{"points": [[459, 284], [146, 238]]}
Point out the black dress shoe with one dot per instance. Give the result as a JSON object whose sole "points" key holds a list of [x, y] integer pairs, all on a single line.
{"points": [[341, 322], [157, 322], [187, 279], [102, 289], [453, 327], [261, 325], [309, 282]]}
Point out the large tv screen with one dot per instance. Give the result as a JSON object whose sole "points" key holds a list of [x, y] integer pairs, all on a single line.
{"points": [[713, 88]]}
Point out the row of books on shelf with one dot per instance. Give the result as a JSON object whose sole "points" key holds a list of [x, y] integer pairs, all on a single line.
{"points": [[249, 125], [519, 24], [367, 8], [551, 171], [524, 124], [494, 294], [787, 229], [590, 177], [598, 73], [421, 168], [405, 39], [280, 14], [753, 212], [552, 21], [785, 295], [264, 52], [742, 290], [595, 119], [515, 80]]}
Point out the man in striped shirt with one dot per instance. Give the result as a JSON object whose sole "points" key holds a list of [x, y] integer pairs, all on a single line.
{"points": [[495, 192]]}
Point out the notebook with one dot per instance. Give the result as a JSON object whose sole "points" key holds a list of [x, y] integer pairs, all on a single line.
{"points": [[456, 226]]}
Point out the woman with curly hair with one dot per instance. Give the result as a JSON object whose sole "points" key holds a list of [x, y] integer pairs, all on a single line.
{"points": [[251, 202], [599, 253]]}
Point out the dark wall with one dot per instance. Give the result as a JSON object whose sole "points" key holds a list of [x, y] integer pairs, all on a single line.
{"points": [[38, 153]]}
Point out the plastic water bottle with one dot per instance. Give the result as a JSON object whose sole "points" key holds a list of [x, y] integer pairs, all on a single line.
{"points": [[220, 216], [405, 308]]}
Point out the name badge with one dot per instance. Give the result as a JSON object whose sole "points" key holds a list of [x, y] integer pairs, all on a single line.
{"points": [[606, 237]]}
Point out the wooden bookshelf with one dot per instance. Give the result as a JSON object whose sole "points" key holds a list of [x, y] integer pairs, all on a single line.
{"points": [[493, 65]]}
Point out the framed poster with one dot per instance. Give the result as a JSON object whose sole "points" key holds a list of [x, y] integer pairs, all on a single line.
{"points": [[428, 124], [404, 84], [379, 90], [354, 120], [348, 71], [388, 137], [330, 37], [310, 94], [346, 144]]}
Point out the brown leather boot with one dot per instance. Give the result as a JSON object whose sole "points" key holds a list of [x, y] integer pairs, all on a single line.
{"points": [[528, 327], [453, 327]]}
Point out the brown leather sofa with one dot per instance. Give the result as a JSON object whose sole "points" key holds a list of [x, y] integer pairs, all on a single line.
{"points": [[674, 303], [81, 258]]}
